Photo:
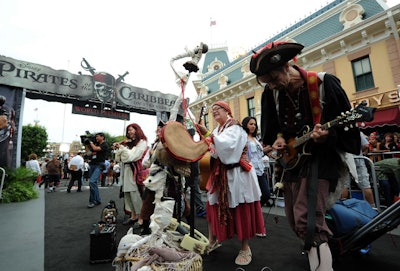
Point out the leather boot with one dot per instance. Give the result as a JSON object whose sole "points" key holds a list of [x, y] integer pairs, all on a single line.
{"points": [[320, 258]]}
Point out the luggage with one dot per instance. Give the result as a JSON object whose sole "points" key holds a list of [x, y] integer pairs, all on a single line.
{"points": [[361, 238], [103, 243], [348, 215]]}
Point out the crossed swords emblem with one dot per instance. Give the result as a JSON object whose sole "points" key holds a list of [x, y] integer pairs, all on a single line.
{"points": [[86, 66]]}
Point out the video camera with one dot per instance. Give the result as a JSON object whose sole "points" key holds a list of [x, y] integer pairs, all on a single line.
{"points": [[87, 137]]}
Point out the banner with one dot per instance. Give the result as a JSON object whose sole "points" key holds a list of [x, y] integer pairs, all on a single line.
{"points": [[89, 111], [42, 82]]}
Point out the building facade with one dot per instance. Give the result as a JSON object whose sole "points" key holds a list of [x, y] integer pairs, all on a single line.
{"points": [[356, 40]]}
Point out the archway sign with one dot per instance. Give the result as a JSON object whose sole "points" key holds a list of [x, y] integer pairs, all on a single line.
{"points": [[99, 94]]}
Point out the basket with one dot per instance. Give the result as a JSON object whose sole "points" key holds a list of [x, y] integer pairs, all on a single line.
{"points": [[194, 263]]}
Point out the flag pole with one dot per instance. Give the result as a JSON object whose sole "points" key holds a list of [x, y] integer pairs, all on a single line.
{"points": [[212, 23]]}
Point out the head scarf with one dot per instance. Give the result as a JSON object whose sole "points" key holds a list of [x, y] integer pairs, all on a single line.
{"points": [[224, 105]]}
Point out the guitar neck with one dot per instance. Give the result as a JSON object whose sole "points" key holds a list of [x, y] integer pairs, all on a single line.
{"points": [[304, 138]]}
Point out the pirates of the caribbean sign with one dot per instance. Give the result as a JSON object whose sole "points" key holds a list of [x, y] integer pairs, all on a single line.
{"points": [[42, 82]]}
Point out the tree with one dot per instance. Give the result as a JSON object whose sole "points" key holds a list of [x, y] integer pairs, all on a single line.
{"points": [[34, 140]]}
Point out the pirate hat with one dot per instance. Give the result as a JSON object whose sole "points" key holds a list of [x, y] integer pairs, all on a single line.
{"points": [[273, 55]]}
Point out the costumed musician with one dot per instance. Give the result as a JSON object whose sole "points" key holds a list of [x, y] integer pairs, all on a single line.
{"points": [[290, 101], [233, 197]]}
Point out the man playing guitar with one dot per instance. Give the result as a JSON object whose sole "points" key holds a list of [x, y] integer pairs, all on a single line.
{"points": [[294, 98]]}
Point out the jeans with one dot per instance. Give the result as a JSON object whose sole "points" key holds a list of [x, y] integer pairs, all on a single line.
{"points": [[94, 177], [264, 187], [194, 182]]}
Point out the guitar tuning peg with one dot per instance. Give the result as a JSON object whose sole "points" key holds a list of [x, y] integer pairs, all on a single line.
{"points": [[351, 126], [346, 128], [362, 124]]}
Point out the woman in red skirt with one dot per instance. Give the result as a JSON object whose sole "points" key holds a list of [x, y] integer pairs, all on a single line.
{"points": [[233, 197]]}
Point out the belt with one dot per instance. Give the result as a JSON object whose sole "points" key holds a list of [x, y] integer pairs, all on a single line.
{"points": [[230, 166]]}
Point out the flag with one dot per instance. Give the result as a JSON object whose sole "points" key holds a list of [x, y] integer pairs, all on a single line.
{"points": [[213, 22]]}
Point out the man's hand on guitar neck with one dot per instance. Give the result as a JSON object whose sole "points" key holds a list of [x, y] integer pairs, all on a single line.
{"points": [[318, 134]]}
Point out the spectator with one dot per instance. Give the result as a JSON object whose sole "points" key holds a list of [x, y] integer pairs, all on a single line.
{"points": [[256, 153], [117, 173], [43, 168], [75, 167], [110, 173], [362, 178], [86, 168], [396, 139], [103, 176], [388, 145], [65, 167], [374, 147], [397, 142], [54, 173], [33, 164]]}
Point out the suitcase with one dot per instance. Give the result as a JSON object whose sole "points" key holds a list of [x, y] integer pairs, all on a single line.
{"points": [[103, 243]]}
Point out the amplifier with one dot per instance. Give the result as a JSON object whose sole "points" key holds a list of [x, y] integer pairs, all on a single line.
{"points": [[103, 243]]}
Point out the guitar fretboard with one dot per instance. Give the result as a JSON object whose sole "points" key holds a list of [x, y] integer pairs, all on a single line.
{"points": [[304, 138]]}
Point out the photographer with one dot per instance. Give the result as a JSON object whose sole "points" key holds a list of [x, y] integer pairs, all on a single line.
{"points": [[98, 150]]}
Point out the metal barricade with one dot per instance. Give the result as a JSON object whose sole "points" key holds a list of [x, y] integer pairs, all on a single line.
{"points": [[372, 173], [379, 155]]}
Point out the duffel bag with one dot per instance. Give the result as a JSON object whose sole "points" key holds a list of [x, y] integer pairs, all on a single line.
{"points": [[348, 215]]}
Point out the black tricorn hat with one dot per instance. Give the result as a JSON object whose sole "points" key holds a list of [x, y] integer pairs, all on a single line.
{"points": [[273, 55]]}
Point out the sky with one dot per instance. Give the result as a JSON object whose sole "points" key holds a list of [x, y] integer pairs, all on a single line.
{"points": [[140, 37]]}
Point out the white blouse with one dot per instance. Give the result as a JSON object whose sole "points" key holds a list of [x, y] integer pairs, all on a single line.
{"points": [[243, 186]]}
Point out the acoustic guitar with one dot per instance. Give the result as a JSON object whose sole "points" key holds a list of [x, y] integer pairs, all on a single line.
{"points": [[297, 151]]}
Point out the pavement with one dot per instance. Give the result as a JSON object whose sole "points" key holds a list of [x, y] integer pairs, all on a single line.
{"points": [[23, 237]]}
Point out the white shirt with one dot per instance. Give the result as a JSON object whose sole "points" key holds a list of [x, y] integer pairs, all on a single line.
{"points": [[34, 165], [242, 186], [76, 161]]}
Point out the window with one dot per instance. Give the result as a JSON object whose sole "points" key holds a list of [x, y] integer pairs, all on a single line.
{"points": [[362, 74], [251, 109]]}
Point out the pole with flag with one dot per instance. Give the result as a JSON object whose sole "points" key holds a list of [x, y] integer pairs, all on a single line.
{"points": [[213, 22]]}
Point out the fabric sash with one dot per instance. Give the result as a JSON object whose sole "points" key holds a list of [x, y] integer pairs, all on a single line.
{"points": [[313, 93]]}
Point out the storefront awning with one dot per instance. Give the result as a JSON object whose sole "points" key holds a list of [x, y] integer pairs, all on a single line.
{"points": [[387, 117]]}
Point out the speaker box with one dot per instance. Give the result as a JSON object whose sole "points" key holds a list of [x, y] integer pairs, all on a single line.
{"points": [[103, 244]]}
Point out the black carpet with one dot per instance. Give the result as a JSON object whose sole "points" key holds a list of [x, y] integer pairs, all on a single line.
{"points": [[68, 223]]}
